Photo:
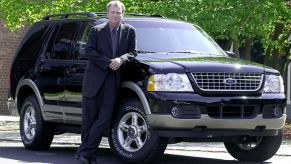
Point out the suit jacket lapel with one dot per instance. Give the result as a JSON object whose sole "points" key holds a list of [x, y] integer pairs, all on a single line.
{"points": [[108, 37], [120, 37]]}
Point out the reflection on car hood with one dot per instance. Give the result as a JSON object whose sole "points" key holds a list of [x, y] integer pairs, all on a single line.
{"points": [[186, 62]]}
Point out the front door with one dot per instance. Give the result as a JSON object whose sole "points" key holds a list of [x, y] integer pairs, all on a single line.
{"points": [[52, 69], [74, 74]]}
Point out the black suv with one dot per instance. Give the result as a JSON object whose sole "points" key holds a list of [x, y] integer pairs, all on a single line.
{"points": [[181, 87]]}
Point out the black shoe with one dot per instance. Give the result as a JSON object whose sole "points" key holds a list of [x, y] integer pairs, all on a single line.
{"points": [[82, 159]]}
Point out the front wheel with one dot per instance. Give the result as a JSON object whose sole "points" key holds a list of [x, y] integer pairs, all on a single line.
{"points": [[131, 137], [255, 149]]}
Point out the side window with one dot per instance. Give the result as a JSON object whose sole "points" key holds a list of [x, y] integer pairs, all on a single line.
{"points": [[60, 42], [82, 38]]}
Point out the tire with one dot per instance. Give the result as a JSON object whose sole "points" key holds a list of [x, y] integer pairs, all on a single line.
{"points": [[255, 149], [134, 141], [36, 134]]}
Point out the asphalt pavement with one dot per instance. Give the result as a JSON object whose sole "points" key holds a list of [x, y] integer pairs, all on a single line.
{"points": [[9, 132]]}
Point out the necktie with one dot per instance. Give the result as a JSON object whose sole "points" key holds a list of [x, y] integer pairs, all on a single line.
{"points": [[114, 41]]}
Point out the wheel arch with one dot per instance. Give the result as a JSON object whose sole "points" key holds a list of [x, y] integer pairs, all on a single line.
{"points": [[25, 88], [129, 89]]}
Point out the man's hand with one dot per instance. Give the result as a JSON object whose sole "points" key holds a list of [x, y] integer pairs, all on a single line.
{"points": [[115, 63]]}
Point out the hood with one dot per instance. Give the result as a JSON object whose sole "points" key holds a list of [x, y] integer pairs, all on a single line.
{"points": [[185, 63]]}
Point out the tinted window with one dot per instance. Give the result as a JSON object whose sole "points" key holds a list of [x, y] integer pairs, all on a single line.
{"points": [[61, 40], [81, 41], [173, 37], [33, 41]]}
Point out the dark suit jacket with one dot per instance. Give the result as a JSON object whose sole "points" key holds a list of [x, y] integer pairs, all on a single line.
{"points": [[99, 52]]}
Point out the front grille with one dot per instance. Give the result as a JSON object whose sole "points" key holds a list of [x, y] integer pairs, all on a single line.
{"points": [[237, 112], [228, 81]]}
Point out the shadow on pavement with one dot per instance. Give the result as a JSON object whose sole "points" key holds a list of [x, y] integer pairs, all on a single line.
{"points": [[180, 159], [66, 155]]}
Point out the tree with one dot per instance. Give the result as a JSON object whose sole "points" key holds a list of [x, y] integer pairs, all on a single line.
{"points": [[241, 22], [278, 39]]}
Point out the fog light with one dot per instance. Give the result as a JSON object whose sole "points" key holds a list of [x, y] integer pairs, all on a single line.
{"points": [[278, 112], [176, 112]]}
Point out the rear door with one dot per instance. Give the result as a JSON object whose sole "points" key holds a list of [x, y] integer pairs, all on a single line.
{"points": [[52, 69]]}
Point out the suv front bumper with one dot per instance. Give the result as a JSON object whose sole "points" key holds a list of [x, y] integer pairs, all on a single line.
{"points": [[230, 113], [169, 122]]}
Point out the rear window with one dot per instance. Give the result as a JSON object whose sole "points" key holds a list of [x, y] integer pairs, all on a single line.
{"points": [[33, 41]]}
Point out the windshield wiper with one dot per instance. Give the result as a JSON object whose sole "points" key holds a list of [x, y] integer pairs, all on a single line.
{"points": [[145, 52], [189, 52]]}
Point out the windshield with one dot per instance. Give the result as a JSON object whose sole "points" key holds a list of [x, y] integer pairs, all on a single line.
{"points": [[173, 37]]}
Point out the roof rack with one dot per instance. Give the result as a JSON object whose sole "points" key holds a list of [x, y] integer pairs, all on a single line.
{"points": [[66, 15], [91, 15], [150, 15]]}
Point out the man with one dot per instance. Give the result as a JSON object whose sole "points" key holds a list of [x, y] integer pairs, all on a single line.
{"points": [[110, 46]]}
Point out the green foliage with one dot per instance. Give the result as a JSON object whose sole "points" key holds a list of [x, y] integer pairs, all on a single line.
{"points": [[243, 22], [17, 13]]}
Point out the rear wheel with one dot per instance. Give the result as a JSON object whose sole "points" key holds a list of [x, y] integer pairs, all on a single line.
{"points": [[131, 137], [255, 149], [36, 134]]}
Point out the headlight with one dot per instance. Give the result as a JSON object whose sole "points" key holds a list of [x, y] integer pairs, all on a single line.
{"points": [[274, 84], [169, 82]]}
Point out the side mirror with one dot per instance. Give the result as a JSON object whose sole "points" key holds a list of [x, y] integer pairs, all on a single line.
{"points": [[231, 54]]}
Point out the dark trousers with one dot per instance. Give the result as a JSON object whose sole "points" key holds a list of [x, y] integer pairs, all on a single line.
{"points": [[96, 115]]}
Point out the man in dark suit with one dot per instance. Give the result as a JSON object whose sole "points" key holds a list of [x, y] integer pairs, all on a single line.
{"points": [[110, 46]]}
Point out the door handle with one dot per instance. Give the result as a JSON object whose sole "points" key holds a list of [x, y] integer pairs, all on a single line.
{"points": [[71, 71], [40, 68]]}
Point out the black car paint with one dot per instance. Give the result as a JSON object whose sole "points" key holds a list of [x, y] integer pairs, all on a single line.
{"points": [[61, 80]]}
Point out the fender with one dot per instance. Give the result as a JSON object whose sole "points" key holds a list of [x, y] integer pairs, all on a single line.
{"points": [[32, 85], [135, 88]]}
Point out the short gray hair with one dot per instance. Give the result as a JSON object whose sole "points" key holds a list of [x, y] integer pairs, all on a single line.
{"points": [[116, 3]]}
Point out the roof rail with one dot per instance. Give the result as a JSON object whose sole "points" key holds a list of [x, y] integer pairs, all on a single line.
{"points": [[67, 15], [91, 15], [150, 15]]}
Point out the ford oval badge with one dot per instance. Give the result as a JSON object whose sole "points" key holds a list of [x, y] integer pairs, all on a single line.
{"points": [[229, 81]]}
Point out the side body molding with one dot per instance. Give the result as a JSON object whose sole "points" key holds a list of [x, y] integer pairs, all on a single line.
{"points": [[135, 88]]}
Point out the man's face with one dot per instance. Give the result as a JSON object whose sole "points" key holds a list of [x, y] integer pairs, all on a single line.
{"points": [[114, 15]]}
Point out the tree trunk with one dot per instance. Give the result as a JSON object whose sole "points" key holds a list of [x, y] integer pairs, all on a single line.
{"points": [[268, 56], [227, 46], [284, 67], [247, 49], [276, 59], [235, 48]]}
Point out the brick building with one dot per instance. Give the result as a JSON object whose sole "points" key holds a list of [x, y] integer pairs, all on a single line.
{"points": [[8, 44]]}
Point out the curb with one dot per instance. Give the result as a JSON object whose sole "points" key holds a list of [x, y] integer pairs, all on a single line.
{"points": [[9, 118]]}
